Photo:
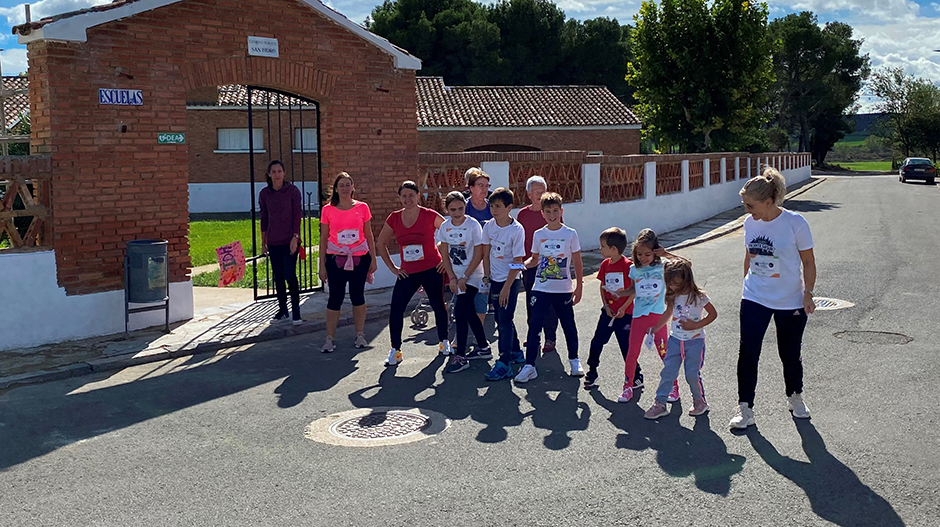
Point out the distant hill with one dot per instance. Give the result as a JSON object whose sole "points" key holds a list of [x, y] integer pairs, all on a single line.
{"points": [[863, 125]]}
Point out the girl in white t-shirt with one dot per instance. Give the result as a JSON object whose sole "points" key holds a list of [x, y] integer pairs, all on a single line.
{"points": [[461, 245], [686, 304]]}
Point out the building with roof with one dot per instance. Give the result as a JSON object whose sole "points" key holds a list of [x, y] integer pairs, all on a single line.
{"points": [[523, 118]]}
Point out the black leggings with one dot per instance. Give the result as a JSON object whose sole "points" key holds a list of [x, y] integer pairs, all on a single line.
{"points": [[337, 278], [790, 325], [405, 288], [465, 316], [284, 269]]}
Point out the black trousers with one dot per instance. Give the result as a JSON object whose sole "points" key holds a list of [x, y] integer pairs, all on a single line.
{"points": [[790, 324], [405, 288], [541, 304], [284, 269], [466, 319], [337, 278], [551, 319]]}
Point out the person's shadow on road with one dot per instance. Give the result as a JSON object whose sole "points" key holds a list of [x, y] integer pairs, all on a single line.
{"points": [[834, 491], [565, 413], [680, 452]]}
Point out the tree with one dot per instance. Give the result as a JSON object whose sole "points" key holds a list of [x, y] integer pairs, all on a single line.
{"points": [[530, 40], [701, 72], [911, 107], [597, 52], [818, 74]]}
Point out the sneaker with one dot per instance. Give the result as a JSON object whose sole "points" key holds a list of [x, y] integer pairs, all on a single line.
{"points": [[744, 419], [457, 363], [673, 394], [444, 347], [656, 411], [797, 407], [699, 407], [517, 357], [638, 381], [297, 319], [500, 371], [526, 374], [590, 380], [281, 316], [361, 341], [327, 345], [626, 395], [576, 369], [548, 347], [394, 357], [477, 353]]}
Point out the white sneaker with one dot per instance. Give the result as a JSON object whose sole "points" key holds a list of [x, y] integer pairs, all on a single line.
{"points": [[526, 374], [445, 347], [797, 407], [394, 357], [576, 369], [744, 419], [361, 341], [327, 345]]}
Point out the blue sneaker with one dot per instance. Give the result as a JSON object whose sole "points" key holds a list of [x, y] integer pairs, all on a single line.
{"points": [[500, 371], [517, 357]]}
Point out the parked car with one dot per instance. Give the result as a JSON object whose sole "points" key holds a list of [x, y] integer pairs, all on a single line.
{"points": [[917, 168]]}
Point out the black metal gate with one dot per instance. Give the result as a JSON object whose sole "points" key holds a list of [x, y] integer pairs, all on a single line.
{"points": [[287, 122]]}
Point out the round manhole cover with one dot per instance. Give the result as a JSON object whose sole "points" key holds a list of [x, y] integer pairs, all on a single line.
{"points": [[827, 304], [873, 337], [376, 427]]}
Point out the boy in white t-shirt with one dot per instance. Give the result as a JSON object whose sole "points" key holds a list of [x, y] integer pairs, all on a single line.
{"points": [[461, 245], [556, 255], [503, 256]]}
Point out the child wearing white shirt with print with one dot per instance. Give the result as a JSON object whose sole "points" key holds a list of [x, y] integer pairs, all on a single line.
{"points": [[556, 252]]}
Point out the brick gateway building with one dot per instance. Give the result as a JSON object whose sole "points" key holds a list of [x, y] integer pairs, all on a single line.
{"points": [[112, 181]]}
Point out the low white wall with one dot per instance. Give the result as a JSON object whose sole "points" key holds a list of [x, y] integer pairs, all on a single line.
{"points": [[661, 213], [37, 311], [230, 197]]}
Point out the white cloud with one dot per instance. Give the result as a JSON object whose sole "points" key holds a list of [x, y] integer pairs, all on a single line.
{"points": [[43, 8], [13, 60], [903, 45], [887, 10]]}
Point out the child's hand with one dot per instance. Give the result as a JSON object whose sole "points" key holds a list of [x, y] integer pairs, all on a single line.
{"points": [[462, 284], [454, 288], [576, 297], [660, 251], [610, 312], [622, 311], [504, 294], [689, 325]]}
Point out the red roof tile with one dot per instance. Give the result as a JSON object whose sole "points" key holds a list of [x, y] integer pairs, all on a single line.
{"points": [[17, 104]]}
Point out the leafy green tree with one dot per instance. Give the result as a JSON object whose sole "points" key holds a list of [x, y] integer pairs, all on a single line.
{"points": [[910, 106], [701, 72], [597, 52], [530, 40], [819, 71]]}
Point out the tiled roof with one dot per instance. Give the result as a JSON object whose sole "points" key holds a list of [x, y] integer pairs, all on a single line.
{"points": [[25, 29], [518, 106], [16, 105], [237, 95]]}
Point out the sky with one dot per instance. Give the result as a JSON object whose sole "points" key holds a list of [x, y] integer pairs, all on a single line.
{"points": [[897, 33]]}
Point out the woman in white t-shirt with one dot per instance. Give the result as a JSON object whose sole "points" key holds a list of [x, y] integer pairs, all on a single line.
{"points": [[779, 275]]}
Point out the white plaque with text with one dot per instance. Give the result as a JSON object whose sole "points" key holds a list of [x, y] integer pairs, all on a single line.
{"points": [[262, 47]]}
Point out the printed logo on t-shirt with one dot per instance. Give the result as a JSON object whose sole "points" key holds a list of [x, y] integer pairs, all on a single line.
{"points": [[763, 262], [613, 282], [649, 288], [456, 236], [553, 264], [761, 245], [499, 250], [348, 237], [413, 253], [458, 254]]}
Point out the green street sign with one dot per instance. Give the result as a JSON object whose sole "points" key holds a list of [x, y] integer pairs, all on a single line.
{"points": [[171, 139]]}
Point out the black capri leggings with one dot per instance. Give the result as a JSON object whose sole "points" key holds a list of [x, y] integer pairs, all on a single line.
{"points": [[337, 278], [405, 288]]}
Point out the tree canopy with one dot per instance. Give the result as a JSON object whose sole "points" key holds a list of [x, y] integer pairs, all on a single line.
{"points": [[912, 110]]}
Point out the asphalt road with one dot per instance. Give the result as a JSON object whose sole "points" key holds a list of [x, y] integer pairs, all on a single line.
{"points": [[220, 440]]}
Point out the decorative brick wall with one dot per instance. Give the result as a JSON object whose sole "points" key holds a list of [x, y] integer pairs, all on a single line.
{"points": [[122, 186], [610, 142]]}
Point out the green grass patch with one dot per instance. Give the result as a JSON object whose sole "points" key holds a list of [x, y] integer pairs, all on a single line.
{"points": [[206, 236], [847, 142], [868, 166], [265, 281], [5, 241]]}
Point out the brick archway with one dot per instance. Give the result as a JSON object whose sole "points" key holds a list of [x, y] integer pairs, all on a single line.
{"points": [[292, 77]]}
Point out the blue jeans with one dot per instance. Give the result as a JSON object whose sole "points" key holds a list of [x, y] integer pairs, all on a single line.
{"points": [[508, 338], [692, 353]]}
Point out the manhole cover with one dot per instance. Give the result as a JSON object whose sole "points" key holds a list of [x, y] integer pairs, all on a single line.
{"points": [[376, 427], [873, 337], [826, 304], [381, 425]]}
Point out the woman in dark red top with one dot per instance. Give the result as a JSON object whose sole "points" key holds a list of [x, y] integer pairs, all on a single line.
{"points": [[414, 227], [281, 212]]}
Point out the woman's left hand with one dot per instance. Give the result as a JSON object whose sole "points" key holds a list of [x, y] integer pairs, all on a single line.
{"points": [[373, 267], [294, 243], [808, 305]]}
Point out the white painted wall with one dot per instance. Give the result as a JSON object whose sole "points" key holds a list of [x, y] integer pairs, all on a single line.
{"points": [[661, 213], [230, 197], [41, 313]]}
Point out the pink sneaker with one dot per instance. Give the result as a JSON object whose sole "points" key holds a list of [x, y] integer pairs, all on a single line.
{"points": [[626, 395], [673, 394], [699, 407]]}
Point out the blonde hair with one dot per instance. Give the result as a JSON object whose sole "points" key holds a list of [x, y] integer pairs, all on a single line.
{"points": [[769, 185]]}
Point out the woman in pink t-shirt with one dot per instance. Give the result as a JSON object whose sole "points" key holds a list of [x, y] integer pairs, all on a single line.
{"points": [[348, 246]]}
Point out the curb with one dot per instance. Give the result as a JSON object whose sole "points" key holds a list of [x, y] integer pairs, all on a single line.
{"points": [[118, 362], [734, 225]]}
